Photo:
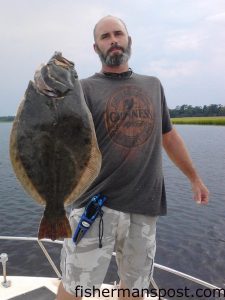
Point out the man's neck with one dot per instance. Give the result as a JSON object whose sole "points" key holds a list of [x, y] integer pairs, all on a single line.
{"points": [[115, 69]]}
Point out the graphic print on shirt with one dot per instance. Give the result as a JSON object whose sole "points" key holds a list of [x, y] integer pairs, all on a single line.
{"points": [[129, 117]]}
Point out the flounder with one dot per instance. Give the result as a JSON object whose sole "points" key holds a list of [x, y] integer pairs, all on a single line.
{"points": [[53, 146]]}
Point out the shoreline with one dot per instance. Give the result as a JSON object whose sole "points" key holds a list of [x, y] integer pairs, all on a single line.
{"points": [[199, 121], [220, 121]]}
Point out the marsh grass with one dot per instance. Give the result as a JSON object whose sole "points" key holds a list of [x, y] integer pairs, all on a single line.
{"points": [[200, 120]]}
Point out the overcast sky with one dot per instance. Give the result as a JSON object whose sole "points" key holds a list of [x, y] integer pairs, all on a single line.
{"points": [[182, 42]]}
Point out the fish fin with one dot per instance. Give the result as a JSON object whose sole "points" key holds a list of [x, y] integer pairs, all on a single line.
{"points": [[60, 228]]}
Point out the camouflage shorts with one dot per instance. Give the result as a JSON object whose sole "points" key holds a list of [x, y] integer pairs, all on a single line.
{"points": [[132, 236]]}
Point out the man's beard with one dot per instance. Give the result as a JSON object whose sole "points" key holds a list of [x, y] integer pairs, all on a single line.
{"points": [[116, 59]]}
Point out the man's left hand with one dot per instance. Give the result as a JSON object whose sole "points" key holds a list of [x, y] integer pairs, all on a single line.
{"points": [[201, 193]]}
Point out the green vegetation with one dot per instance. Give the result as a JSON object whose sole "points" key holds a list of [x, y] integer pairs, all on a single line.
{"points": [[213, 114], [185, 110], [200, 120], [7, 119]]}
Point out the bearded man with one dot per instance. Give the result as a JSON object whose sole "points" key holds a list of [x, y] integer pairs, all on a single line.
{"points": [[132, 124]]}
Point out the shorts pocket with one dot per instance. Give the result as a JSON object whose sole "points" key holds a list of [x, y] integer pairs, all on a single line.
{"points": [[77, 212], [75, 216]]}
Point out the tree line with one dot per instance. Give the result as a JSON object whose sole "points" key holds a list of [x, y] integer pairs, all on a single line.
{"points": [[7, 119], [184, 110], [197, 111]]}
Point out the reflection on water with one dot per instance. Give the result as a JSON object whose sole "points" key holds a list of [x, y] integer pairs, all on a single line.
{"points": [[191, 238]]}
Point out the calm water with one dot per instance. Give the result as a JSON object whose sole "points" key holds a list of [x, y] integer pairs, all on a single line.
{"points": [[190, 238]]}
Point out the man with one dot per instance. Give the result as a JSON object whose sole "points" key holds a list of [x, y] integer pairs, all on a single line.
{"points": [[131, 122]]}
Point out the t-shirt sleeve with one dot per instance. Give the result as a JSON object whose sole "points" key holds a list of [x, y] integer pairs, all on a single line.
{"points": [[84, 88], [166, 122]]}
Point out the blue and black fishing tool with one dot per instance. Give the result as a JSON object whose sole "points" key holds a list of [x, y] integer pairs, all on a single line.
{"points": [[92, 210]]}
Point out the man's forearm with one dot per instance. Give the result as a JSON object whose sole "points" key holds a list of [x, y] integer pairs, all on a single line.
{"points": [[178, 153]]}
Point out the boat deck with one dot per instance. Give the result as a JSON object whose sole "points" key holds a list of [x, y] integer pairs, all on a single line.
{"points": [[27, 288], [37, 288]]}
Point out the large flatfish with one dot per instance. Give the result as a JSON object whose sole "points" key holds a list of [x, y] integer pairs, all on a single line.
{"points": [[53, 146]]}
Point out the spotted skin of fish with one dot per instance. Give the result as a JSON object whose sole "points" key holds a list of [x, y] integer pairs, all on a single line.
{"points": [[53, 146]]}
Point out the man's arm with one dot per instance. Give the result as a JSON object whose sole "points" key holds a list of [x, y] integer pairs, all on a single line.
{"points": [[177, 152]]}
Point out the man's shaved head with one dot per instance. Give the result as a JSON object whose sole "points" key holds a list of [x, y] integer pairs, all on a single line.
{"points": [[112, 42], [105, 18]]}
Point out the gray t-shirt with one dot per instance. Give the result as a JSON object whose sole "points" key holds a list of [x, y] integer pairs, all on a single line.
{"points": [[130, 115]]}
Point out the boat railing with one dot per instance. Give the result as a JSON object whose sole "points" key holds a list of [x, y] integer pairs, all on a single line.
{"points": [[156, 265]]}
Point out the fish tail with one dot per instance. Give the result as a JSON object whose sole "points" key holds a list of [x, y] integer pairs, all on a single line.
{"points": [[59, 228]]}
